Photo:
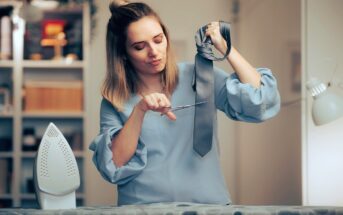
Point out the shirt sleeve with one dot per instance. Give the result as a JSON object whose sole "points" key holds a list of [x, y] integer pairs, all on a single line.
{"points": [[242, 101], [110, 125]]}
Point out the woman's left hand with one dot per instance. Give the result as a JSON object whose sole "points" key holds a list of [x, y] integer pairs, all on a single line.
{"points": [[213, 31]]}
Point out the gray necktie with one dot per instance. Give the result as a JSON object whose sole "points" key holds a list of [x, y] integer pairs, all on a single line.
{"points": [[203, 84]]}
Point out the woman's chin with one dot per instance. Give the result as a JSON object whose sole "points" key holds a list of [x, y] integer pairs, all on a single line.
{"points": [[159, 68]]}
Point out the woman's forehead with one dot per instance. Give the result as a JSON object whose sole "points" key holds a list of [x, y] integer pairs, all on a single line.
{"points": [[144, 29]]}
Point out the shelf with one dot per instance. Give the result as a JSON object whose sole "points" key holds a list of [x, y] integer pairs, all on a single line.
{"points": [[53, 64], [6, 115], [17, 73], [66, 10], [6, 63], [5, 196], [6, 154], [64, 115], [29, 154], [28, 196], [10, 3]]}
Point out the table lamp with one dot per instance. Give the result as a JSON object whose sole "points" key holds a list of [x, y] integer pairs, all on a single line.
{"points": [[327, 106]]}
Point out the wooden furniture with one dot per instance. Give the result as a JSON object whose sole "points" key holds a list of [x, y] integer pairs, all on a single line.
{"points": [[19, 72]]}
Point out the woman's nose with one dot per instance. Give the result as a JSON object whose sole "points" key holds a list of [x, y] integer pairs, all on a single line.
{"points": [[152, 51]]}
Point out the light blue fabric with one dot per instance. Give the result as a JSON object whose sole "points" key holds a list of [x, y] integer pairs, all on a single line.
{"points": [[165, 168]]}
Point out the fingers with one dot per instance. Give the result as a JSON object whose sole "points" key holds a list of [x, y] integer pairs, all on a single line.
{"points": [[170, 115], [212, 29], [213, 25], [213, 32], [157, 102]]}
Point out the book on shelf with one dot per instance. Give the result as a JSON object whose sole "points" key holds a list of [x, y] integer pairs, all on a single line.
{"points": [[5, 106], [4, 177], [53, 96]]}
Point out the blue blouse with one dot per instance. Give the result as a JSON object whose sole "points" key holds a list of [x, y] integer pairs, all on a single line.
{"points": [[164, 167]]}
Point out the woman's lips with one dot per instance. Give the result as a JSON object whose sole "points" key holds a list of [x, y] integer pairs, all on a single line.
{"points": [[155, 62]]}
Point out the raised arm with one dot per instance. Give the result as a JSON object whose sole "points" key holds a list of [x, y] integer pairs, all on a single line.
{"points": [[245, 72]]}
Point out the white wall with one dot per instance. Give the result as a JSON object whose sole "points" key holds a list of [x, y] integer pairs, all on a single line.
{"points": [[269, 154], [322, 146]]}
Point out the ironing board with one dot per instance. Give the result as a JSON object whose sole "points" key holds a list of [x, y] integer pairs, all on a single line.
{"points": [[186, 209]]}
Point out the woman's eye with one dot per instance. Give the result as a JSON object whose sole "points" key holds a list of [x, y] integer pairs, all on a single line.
{"points": [[159, 39], [139, 47]]}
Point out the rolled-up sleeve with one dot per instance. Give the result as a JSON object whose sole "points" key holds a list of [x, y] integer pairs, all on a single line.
{"points": [[242, 101], [110, 125]]}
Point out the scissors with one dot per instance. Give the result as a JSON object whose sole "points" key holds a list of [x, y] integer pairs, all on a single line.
{"points": [[181, 107]]}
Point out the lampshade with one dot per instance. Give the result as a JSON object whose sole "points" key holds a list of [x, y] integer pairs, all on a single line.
{"points": [[327, 106]]}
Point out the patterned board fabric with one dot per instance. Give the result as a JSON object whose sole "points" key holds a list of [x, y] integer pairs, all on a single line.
{"points": [[184, 209]]}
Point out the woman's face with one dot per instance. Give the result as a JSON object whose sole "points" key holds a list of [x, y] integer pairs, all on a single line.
{"points": [[146, 46]]}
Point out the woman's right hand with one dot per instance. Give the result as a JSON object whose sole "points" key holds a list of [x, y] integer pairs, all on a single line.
{"points": [[157, 102]]}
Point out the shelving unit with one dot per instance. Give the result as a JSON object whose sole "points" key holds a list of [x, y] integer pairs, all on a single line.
{"points": [[48, 64], [16, 165], [6, 64]]}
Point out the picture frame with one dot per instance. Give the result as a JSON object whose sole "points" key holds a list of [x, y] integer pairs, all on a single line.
{"points": [[296, 70], [294, 62]]}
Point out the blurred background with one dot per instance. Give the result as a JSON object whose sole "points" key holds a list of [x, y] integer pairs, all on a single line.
{"points": [[53, 63]]}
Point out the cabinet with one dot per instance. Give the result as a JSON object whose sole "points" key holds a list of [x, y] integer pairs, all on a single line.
{"points": [[32, 63]]}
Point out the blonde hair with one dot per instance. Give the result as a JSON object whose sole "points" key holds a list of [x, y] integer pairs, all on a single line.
{"points": [[121, 80]]}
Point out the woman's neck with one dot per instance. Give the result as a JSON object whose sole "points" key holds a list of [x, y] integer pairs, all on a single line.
{"points": [[150, 84]]}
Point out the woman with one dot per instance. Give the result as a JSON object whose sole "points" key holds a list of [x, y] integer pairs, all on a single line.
{"points": [[143, 146]]}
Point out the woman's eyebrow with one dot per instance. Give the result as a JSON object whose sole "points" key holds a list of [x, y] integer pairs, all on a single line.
{"points": [[139, 42], [158, 35]]}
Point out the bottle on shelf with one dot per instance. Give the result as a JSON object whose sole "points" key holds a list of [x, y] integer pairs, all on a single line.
{"points": [[5, 36]]}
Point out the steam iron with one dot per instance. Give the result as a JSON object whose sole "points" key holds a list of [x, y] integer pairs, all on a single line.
{"points": [[56, 175]]}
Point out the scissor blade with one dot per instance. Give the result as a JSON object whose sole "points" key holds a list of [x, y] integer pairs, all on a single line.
{"points": [[186, 106]]}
